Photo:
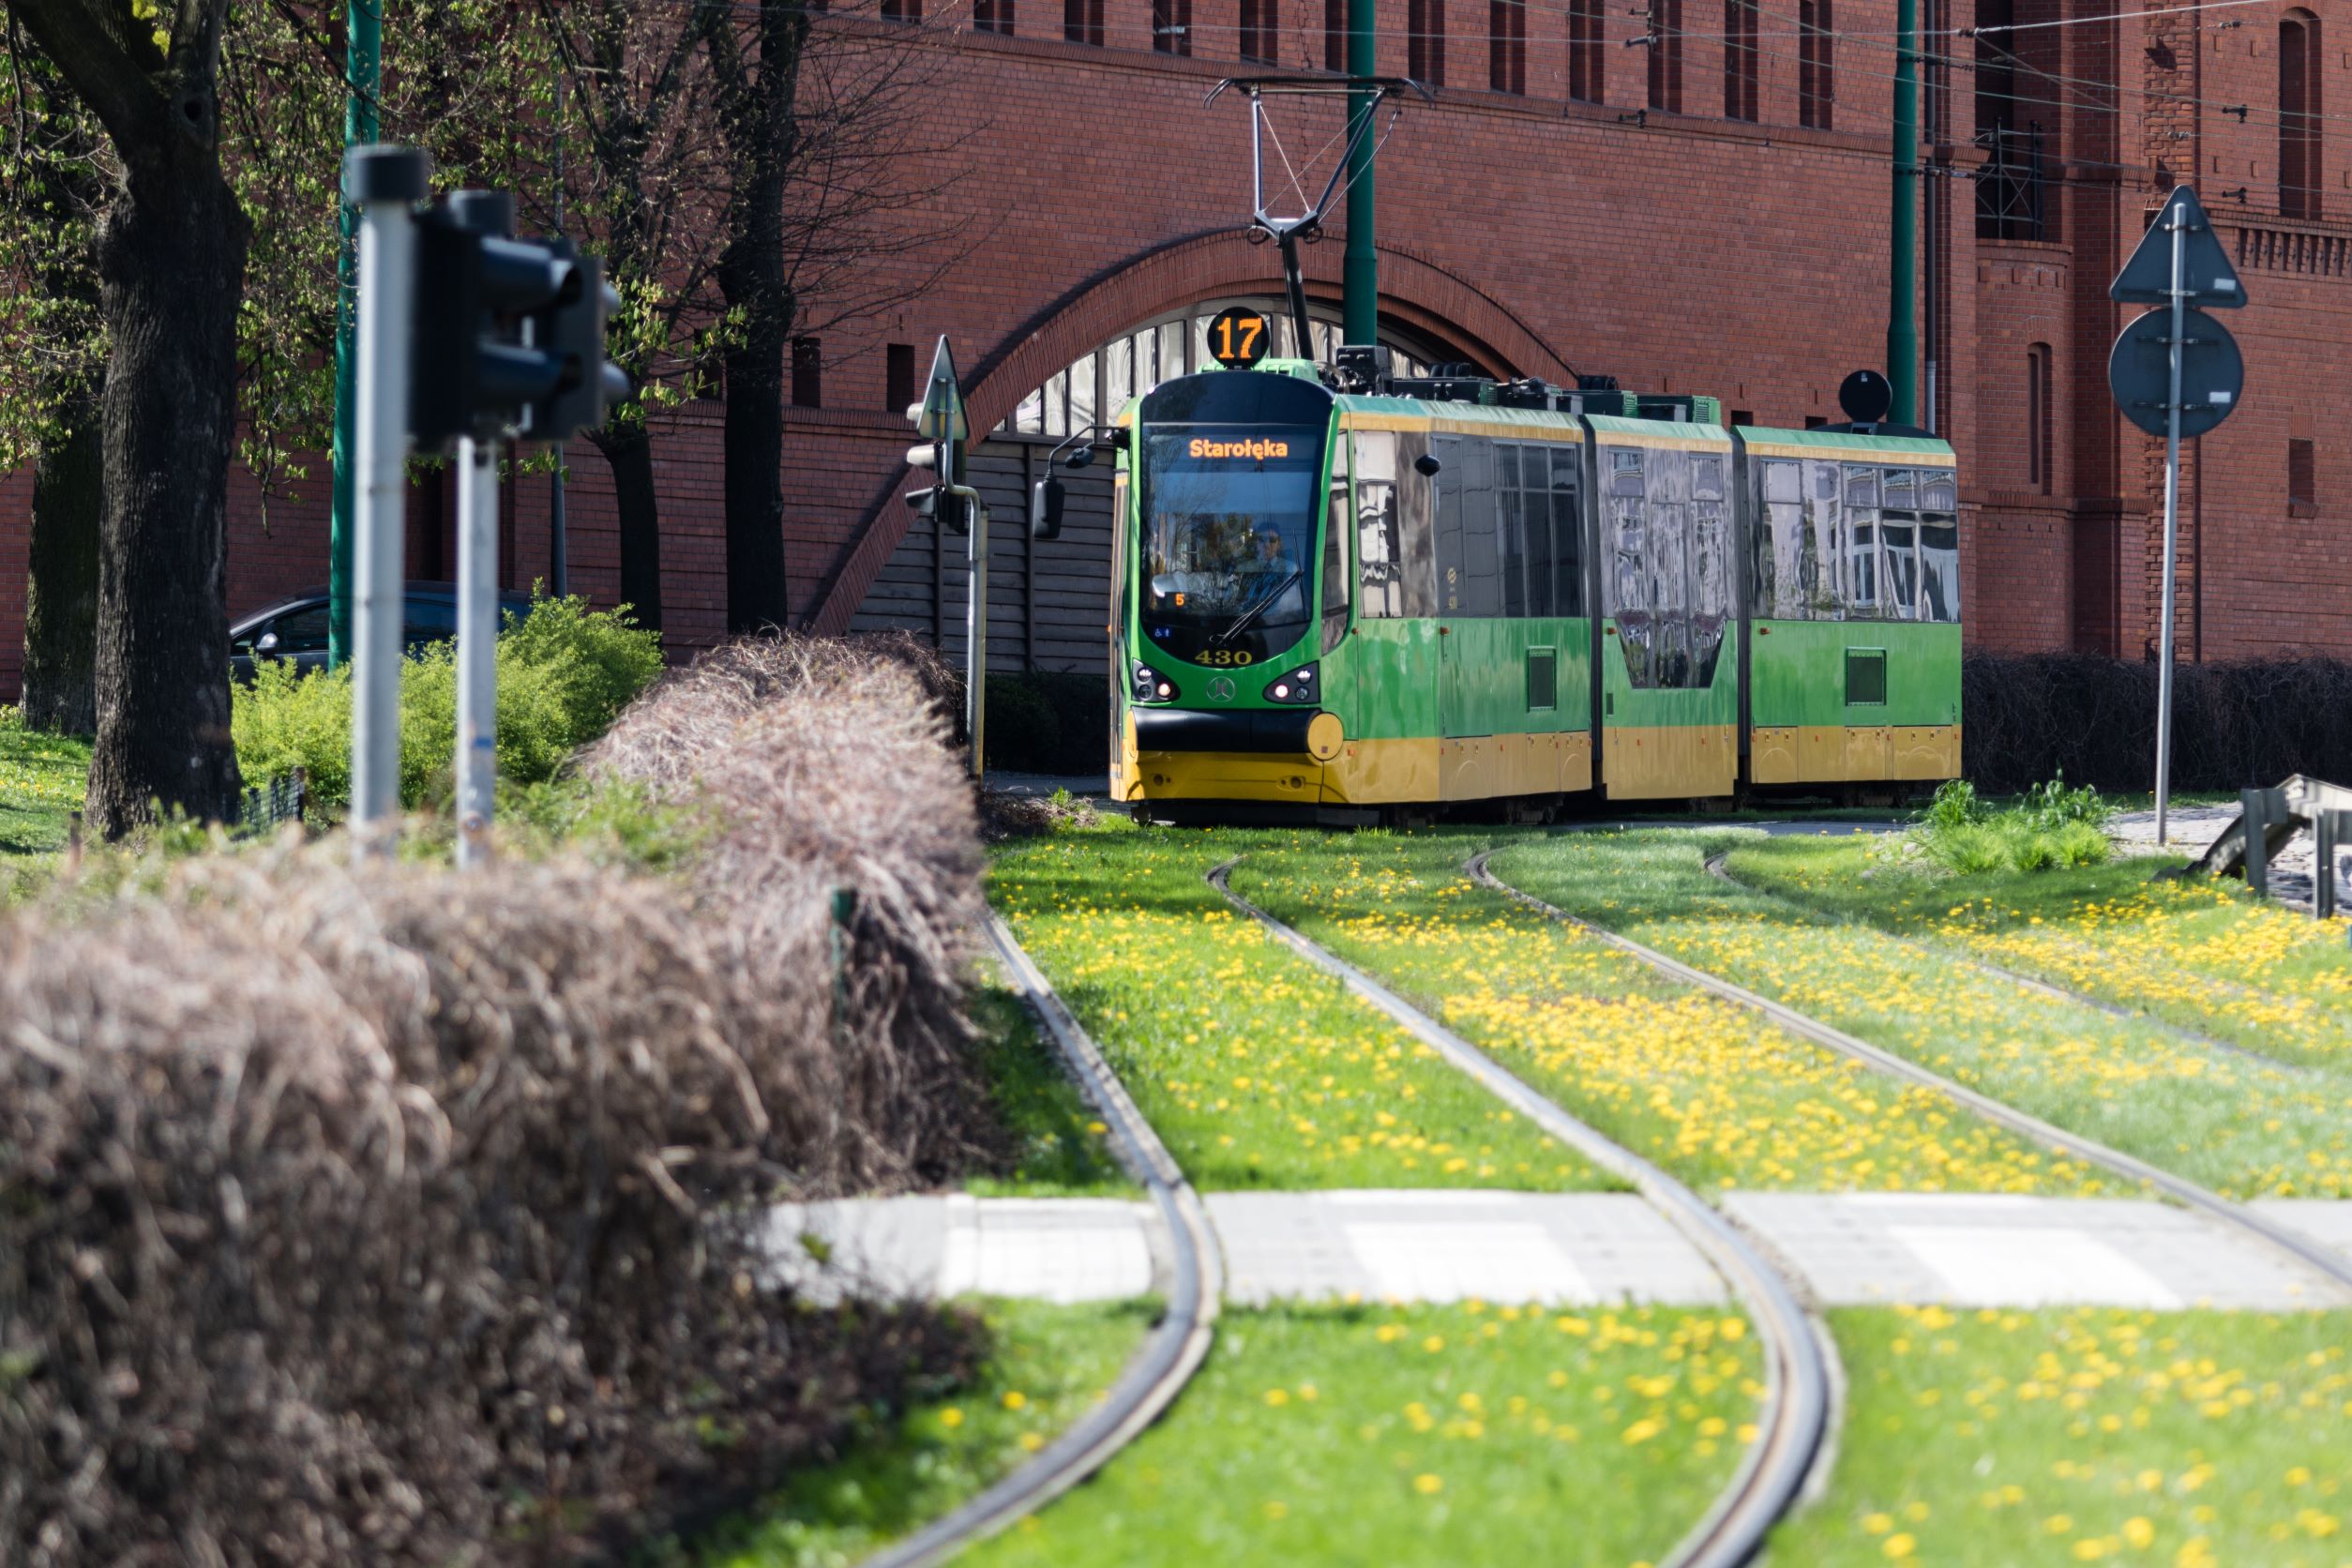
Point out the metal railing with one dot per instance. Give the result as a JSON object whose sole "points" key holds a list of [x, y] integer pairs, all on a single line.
{"points": [[267, 807]]}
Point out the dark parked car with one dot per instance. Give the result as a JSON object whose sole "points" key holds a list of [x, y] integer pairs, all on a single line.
{"points": [[295, 628]]}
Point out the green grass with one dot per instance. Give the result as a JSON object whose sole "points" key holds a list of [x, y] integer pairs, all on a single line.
{"points": [[2242, 1126], [1257, 1070], [41, 783], [2201, 954], [1050, 1367], [1703, 1086], [1058, 1145], [1991, 1439], [1445, 1436]]}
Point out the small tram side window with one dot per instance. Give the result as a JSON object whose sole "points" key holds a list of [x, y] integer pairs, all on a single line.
{"points": [[1862, 541], [1567, 532], [1470, 563], [1898, 539], [1938, 546], [1523, 483], [1334, 568], [1788, 566], [1379, 550]]}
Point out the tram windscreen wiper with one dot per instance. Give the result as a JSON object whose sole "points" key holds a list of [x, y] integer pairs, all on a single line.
{"points": [[1241, 622]]}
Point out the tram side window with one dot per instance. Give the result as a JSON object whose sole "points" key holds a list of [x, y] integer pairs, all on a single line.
{"points": [[1826, 526], [1567, 532], [1513, 531], [1625, 541], [1709, 601], [1524, 481], [1468, 564], [1379, 548], [1861, 542]]}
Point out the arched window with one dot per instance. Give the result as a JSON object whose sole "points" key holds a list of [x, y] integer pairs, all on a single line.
{"points": [[2041, 460], [2298, 114]]}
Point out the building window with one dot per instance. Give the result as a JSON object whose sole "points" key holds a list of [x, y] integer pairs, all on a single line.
{"points": [[898, 377], [808, 373], [1171, 26], [1082, 22], [993, 16], [1424, 41], [1738, 59], [1666, 55], [1261, 25], [2040, 457], [902, 10], [1506, 53], [1335, 34], [2298, 114], [1587, 69], [1816, 70], [2302, 479]]}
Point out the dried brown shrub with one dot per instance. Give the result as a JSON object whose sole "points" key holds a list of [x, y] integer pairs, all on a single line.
{"points": [[393, 1217]]}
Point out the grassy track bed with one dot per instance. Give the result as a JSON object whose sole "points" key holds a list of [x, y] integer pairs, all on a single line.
{"points": [[1703, 1086], [1455, 1436], [2240, 1126], [2199, 953], [1986, 1439], [1058, 1145], [1257, 1070], [1050, 1367]]}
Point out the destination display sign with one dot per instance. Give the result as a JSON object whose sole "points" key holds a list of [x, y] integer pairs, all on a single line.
{"points": [[1239, 337], [1257, 450]]}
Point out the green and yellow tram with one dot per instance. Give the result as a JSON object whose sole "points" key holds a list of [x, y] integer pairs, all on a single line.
{"points": [[1338, 605]]}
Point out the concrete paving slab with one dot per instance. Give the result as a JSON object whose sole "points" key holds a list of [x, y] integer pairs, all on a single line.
{"points": [[1506, 1247], [1050, 1249], [2002, 1250], [2325, 1220]]}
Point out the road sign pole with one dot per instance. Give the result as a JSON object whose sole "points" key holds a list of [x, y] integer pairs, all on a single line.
{"points": [[385, 184], [2179, 223], [477, 645], [363, 65], [976, 628], [1903, 260]]}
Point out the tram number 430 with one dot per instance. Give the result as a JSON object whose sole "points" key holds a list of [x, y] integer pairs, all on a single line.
{"points": [[1238, 337]]}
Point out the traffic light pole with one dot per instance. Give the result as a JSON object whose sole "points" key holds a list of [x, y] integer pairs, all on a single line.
{"points": [[384, 183], [363, 65], [477, 646]]}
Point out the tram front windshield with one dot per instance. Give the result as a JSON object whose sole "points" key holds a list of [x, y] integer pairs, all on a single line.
{"points": [[1227, 557]]}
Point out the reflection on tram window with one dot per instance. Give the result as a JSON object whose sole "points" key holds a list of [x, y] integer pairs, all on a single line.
{"points": [[1940, 571], [1862, 569], [1379, 554], [1902, 570]]}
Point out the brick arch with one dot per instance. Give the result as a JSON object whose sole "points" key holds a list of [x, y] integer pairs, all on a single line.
{"points": [[1414, 292]]}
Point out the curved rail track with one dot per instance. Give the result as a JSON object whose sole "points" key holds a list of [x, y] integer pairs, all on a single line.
{"points": [[2308, 1253], [1185, 1256], [1794, 1428]]}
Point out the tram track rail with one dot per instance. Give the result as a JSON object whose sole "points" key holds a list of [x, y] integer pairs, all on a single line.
{"points": [[1184, 1255], [2309, 1254], [1796, 1426]]}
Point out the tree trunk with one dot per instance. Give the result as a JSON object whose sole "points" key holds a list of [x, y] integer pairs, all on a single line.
{"points": [[61, 590], [172, 262], [756, 590], [630, 450]]}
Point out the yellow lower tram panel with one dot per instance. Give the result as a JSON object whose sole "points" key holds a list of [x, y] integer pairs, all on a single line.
{"points": [[1340, 772], [1856, 753]]}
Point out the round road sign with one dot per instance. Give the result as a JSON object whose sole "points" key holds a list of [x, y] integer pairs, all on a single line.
{"points": [[1239, 337], [2212, 372]]}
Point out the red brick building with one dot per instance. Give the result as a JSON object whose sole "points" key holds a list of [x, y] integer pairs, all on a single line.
{"points": [[1692, 195]]}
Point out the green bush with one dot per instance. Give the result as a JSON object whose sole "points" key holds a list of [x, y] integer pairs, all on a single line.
{"points": [[1024, 734], [1955, 806], [2082, 844], [2029, 847], [563, 672], [1968, 848], [2052, 826]]}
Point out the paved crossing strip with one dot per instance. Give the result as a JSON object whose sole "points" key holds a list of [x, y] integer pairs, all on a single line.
{"points": [[1563, 1249]]}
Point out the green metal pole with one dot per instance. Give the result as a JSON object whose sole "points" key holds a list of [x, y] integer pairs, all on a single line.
{"points": [[364, 66], [1902, 270], [1361, 309]]}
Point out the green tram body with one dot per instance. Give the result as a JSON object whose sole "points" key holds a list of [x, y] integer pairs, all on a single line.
{"points": [[1334, 607]]}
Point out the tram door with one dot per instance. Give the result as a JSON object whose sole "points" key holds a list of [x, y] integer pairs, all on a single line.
{"points": [[1470, 601]]}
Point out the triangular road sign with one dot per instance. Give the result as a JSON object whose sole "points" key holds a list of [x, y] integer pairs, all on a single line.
{"points": [[943, 415], [2206, 273]]}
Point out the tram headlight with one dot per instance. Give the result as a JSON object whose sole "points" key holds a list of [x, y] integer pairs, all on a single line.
{"points": [[1303, 686], [1147, 685]]}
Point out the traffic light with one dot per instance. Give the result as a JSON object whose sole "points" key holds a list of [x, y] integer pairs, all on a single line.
{"points": [[939, 418], [940, 502], [509, 337]]}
